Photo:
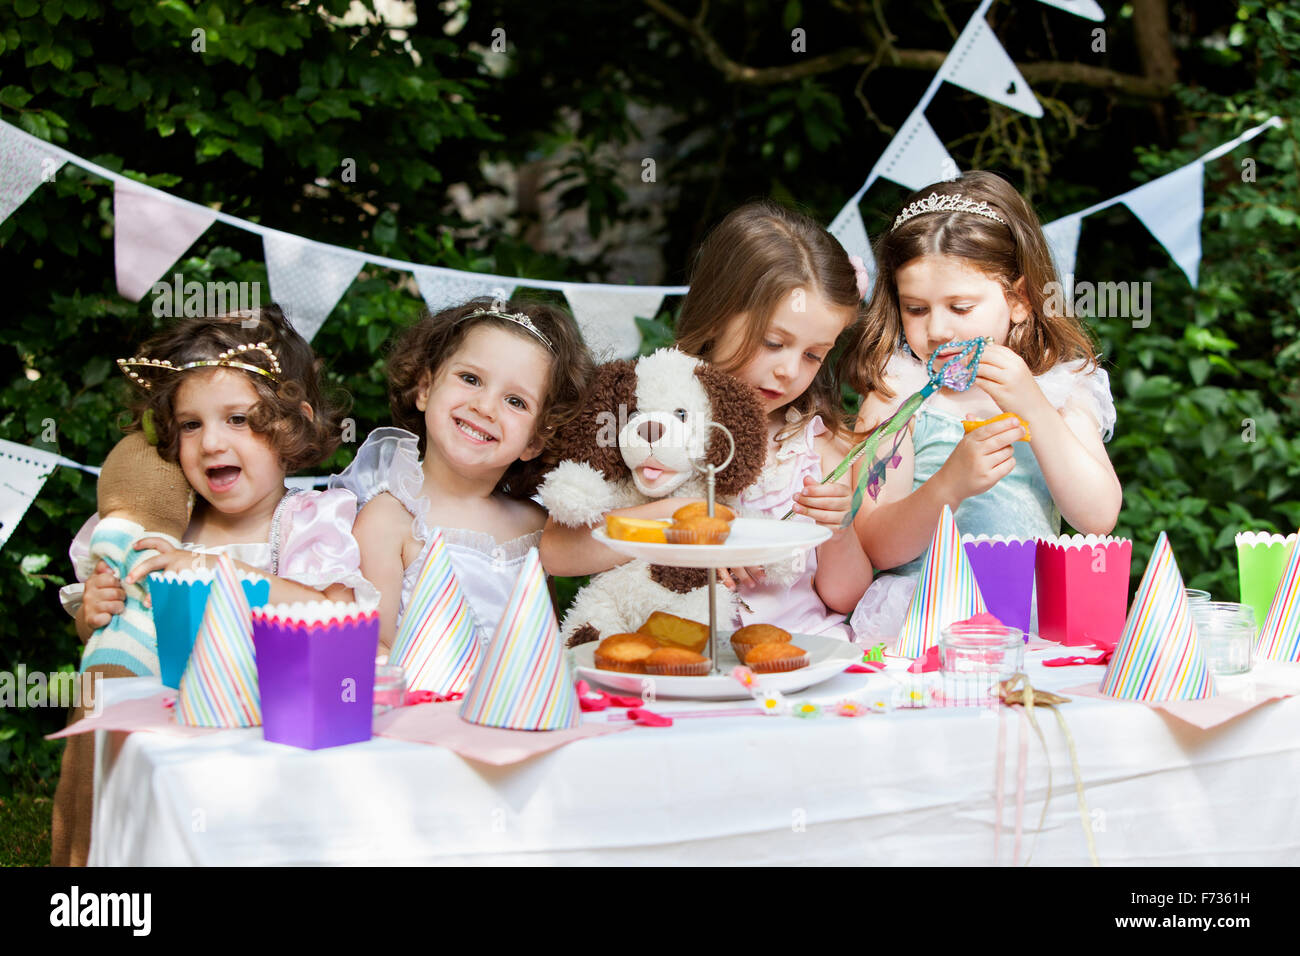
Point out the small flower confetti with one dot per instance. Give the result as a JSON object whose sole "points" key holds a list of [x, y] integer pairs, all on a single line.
{"points": [[745, 676], [773, 703], [806, 708], [850, 708]]}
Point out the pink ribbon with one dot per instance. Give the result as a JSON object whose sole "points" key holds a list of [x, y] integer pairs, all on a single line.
{"points": [[870, 667], [927, 662], [429, 697], [648, 718], [589, 699]]}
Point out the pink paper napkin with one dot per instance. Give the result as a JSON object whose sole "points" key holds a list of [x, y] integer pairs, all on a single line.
{"points": [[440, 725], [142, 713], [1204, 714]]}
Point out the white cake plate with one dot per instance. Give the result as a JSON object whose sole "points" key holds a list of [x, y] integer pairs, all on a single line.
{"points": [[752, 541]]}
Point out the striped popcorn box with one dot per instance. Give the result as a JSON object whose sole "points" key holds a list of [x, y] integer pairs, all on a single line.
{"points": [[1082, 583], [946, 591], [437, 639], [179, 600], [219, 687], [524, 682], [1159, 656], [1261, 559], [1279, 635]]}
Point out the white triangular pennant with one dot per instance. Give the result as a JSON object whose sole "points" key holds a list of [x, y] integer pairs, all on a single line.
{"points": [[607, 318], [1171, 207], [444, 288], [150, 232], [24, 165], [1063, 238], [1087, 9], [915, 157], [978, 63], [851, 231], [308, 278], [23, 471]]}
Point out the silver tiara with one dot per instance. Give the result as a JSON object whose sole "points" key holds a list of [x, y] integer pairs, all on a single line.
{"points": [[518, 318], [947, 202]]}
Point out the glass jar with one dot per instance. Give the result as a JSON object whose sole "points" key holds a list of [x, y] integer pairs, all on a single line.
{"points": [[1227, 633], [390, 688], [996, 649]]}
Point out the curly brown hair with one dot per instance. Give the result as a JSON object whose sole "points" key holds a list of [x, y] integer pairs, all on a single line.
{"points": [[422, 349], [1005, 252], [747, 265], [300, 440]]}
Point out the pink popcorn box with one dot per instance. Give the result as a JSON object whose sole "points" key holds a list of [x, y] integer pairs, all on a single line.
{"points": [[1082, 588]]}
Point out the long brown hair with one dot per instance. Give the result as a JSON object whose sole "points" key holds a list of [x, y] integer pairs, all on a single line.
{"points": [[747, 265], [427, 345], [1004, 252]]}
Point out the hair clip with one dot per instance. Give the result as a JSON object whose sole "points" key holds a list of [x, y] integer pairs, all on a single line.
{"points": [[518, 318], [947, 202], [224, 360]]}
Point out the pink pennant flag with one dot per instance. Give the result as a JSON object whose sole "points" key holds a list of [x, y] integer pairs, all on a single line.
{"points": [[151, 233]]}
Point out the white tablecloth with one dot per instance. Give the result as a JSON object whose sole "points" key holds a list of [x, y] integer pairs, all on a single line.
{"points": [[910, 787]]}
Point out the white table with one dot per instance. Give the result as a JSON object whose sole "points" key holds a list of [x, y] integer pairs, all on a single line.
{"points": [[911, 787]]}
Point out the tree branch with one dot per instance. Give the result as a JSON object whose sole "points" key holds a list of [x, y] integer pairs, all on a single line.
{"points": [[1078, 74]]}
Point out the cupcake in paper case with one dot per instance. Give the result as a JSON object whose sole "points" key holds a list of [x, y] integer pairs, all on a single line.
{"points": [[1004, 571], [1082, 583], [219, 686], [1261, 559], [437, 641], [523, 681], [316, 672], [1159, 656], [179, 598], [946, 591], [1279, 635]]}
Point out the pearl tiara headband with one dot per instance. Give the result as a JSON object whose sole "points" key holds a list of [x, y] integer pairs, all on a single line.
{"points": [[518, 318], [224, 360], [947, 202]]}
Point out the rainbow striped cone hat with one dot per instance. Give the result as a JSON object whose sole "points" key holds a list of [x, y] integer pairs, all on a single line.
{"points": [[523, 681], [437, 639], [946, 591], [1159, 656], [1279, 635], [219, 686]]}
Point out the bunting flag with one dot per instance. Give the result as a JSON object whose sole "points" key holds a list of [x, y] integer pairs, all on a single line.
{"points": [[1063, 238], [916, 157], [1088, 9], [308, 278], [25, 163], [150, 232], [23, 471], [1171, 208], [444, 288], [978, 63], [851, 231], [607, 319]]}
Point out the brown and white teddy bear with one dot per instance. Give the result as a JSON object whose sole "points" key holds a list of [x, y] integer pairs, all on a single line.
{"points": [[642, 432]]}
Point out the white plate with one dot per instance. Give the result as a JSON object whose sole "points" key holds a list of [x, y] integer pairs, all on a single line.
{"points": [[829, 657], [752, 541]]}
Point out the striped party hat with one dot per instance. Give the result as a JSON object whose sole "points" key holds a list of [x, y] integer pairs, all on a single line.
{"points": [[437, 640], [1279, 635], [523, 682], [946, 591], [219, 686], [1159, 656]]}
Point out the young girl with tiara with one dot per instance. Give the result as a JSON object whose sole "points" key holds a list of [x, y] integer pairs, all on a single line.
{"points": [[966, 259], [236, 402], [770, 294], [475, 391]]}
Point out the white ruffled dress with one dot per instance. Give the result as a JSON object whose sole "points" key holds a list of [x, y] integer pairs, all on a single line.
{"points": [[389, 461]]}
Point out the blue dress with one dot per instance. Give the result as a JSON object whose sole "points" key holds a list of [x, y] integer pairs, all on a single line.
{"points": [[1020, 505]]}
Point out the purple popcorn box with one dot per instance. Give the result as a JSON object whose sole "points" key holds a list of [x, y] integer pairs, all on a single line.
{"points": [[1004, 571], [316, 672]]}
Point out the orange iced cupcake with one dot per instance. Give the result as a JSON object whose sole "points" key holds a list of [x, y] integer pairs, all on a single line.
{"points": [[676, 662], [624, 652], [698, 530], [700, 509], [773, 658], [748, 638]]}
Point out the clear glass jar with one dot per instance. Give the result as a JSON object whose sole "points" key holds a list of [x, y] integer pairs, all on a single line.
{"points": [[1197, 596], [1227, 633], [390, 688], [982, 649]]}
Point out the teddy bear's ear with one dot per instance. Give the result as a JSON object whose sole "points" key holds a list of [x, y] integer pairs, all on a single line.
{"points": [[736, 406], [592, 435]]}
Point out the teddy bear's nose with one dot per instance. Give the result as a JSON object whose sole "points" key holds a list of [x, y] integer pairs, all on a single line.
{"points": [[650, 431]]}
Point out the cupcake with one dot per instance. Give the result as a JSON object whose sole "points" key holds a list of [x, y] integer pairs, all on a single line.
{"points": [[748, 638], [700, 509], [774, 658], [676, 662], [698, 530], [624, 652], [669, 630]]}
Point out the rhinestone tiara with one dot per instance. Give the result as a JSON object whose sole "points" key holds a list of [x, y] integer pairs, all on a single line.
{"points": [[947, 202], [518, 318], [226, 359]]}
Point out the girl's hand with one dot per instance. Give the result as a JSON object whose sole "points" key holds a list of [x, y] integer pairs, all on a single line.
{"points": [[826, 504], [981, 459], [732, 578], [168, 558], [102, 598], [1006, 378]]}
